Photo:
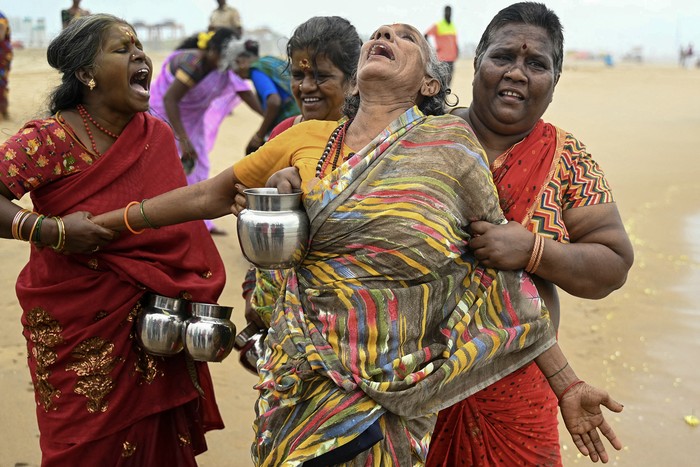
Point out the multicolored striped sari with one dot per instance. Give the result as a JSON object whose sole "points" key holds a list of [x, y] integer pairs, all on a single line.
{"points": [[389, 318]]}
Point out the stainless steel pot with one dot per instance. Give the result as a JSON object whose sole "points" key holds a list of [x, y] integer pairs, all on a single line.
{"points": [[273, 230], [209, 334], [160, 323]]}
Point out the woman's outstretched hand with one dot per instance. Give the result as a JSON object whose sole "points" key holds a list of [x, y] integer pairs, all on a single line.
{"points": [[580, 410]]}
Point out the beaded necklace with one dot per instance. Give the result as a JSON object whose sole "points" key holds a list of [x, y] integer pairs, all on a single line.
{"points": [[334, 145], [85, 116]]}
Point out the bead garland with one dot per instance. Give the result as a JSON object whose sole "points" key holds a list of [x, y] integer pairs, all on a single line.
{"points": [[335, 145], [84, 112], [85, 116]]}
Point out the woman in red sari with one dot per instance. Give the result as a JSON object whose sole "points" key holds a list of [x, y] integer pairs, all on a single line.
{"points": [[565, 230], [100, 398]]}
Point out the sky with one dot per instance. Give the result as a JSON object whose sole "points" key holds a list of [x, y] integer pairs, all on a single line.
{"points": [[659, 27]]}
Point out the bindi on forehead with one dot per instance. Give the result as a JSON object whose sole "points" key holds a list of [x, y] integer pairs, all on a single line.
{"points": [[304, 64], [524, 47], [130, 35]]}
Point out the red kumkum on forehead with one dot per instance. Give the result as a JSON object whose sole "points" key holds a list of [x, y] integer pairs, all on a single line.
{"points": [[524, 46], [131, 36]]}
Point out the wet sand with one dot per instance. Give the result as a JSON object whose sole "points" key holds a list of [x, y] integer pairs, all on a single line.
{"points": [[640, 343]]}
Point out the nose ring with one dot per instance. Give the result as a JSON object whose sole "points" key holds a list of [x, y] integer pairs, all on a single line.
{"points": [[300, 86]]}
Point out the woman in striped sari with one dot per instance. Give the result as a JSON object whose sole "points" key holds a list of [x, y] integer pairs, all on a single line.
{"points": [[389, 317]]}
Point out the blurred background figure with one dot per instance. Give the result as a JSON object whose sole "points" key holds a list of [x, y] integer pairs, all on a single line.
{"points": [[225, 16], [73, 12], [270, 76], [444, 37], [5, 61], [686, 55], [194, 94]]}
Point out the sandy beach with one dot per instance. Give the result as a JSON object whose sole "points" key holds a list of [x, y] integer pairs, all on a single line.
{"points": [[639, 121]]}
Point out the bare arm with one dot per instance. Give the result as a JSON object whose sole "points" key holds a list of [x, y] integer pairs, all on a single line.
{"points": [[80, 234], [273, 105], [171, 102], [249, 98], [593, 265], [208, 199]]}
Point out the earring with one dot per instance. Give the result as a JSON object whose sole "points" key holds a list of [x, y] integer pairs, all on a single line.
{"points": [[92, 84]]}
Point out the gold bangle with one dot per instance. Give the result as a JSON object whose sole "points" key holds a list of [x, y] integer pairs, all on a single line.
{"points": [[17, 221], [145, 219], [126, 219], [20, 228], [61, 242], [533, 255], [538, 259]]}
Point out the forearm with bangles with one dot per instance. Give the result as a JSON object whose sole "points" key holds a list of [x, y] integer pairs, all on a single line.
{"points": [[27, 226]]}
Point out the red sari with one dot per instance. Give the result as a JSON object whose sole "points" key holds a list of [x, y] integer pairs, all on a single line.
{"points": [[99, 395], [513, 421]]}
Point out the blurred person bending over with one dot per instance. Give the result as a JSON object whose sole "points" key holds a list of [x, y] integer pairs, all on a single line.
{"points": [[194, 92]]}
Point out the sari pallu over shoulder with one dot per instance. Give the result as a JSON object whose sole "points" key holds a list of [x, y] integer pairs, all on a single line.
{"points": [[389, 309], [79, 309], [522, 173]]}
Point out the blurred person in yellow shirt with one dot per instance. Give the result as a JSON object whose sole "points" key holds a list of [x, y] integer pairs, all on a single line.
{"points": [[444, 38]]}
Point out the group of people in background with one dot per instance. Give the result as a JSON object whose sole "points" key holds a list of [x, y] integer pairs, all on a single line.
{"points": [[426, 305]]}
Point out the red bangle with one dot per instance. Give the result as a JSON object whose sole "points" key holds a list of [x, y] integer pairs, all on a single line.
{"points": [[569, 387]]}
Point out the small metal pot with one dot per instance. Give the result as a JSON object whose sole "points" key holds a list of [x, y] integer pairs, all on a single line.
{"points": [[209, 334], [273, 230], [160, 323]]}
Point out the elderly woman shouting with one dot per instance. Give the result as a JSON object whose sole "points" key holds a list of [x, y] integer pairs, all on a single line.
{"points": [[389, 317]]}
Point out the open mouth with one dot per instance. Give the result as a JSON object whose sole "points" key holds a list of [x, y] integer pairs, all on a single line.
{"points": [[381, 49], [310, 100], [140, 82]]}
